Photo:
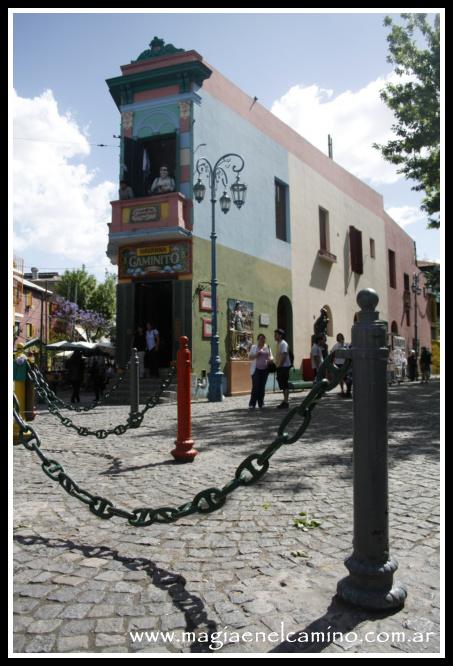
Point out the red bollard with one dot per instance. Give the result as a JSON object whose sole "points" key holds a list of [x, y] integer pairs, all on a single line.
{"points": [[184, 451]]}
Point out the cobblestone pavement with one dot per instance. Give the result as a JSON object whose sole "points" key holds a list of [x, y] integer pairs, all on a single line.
{"points": [[82, 584]]}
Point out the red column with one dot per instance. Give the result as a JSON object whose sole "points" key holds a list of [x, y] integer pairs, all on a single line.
{"points": [[184, 450]]}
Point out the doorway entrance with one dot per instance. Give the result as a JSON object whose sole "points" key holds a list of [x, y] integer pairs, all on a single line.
{"points": [[285, 318], [154, 304]]}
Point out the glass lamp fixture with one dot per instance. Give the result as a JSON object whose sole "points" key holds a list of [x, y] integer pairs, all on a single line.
{"points": [[199, 191], [238, 191]]}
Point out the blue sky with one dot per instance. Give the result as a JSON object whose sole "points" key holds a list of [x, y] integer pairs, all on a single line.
{"points": [[320, 72]]}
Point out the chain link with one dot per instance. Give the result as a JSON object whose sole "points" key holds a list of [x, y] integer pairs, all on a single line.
{"points": [[134, 419], [250, 470], [38, 378]]}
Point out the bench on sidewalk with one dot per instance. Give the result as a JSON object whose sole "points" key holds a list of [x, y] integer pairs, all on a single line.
{"points": [[296, 382]]}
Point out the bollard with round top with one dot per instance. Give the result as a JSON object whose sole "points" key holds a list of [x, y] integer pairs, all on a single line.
{"points": [[184, 451], [371, 568]]}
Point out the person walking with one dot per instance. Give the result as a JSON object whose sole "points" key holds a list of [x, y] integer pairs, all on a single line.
{"points": [[340, 344], [425, 364], [316, 355], [98, 375], [283, 363], [152, 347], [260, 354], [412, 365], [76, 370], [140, 345]]}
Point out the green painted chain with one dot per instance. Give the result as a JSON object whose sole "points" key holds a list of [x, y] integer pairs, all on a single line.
{"points": [[134, 419], [249, 471], [40, 382]]}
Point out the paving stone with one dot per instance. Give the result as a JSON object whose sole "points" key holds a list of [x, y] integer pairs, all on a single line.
{"points": [[94, 562], [77, 627], [76, 611], [18, 643], [24, 604], [94, 596], [110, 625], [43, 626], [102, 610], [64, 594], [107, 640], [41, 644], [72, 644], [69, 580], [48, 611], [109, 576]]}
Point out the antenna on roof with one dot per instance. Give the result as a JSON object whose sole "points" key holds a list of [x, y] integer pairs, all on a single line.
{"points": [[329, 146], [255, 99]]}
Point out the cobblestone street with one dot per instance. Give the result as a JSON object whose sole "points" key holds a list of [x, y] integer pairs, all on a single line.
{"points": [[82, 584]]}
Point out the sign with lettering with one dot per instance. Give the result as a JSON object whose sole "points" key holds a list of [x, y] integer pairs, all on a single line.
{"points": [[151, 259], [145, 214]]}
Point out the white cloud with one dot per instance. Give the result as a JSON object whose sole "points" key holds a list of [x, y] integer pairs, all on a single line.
{"points": [[355, 120], [57, 208], [405, 215]]}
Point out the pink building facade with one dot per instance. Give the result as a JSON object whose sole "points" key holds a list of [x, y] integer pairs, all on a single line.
{"points": [[401, 266]]}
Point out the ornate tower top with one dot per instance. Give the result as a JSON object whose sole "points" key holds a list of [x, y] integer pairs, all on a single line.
{"points": [[158, 48]]}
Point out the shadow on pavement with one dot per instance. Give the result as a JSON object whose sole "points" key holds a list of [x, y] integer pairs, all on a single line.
{"points": [[194, 612], [339, 619]]}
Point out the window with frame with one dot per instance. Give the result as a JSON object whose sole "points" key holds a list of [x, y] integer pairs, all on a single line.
{"points": [[324, 236], [356, 252], [281, 230], [392, 269], [28, 299], [372, 248], [142, 159], [29, 330]]}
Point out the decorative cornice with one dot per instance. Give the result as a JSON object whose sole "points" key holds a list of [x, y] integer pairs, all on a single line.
{"points": [[161, 101], [116, 240]]}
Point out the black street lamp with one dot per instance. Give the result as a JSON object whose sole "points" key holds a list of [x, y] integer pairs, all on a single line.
{"points": [[416, 291], [218, 176]]}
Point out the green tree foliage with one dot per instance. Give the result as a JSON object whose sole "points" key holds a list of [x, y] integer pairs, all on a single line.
{"points": [[416, 106], [77, 287], [81, 288], [103, 298]]}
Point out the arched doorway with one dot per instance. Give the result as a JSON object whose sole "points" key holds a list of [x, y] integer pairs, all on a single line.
{"points": [[285, 318], [330, 322], [394, 328]]}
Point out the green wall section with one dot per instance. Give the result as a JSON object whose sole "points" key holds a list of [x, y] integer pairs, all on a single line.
{"points": [[239, 276]]}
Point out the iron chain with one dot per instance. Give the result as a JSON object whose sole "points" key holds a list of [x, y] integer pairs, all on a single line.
{"points": [[39, 378], [134, 419], [251, 469]]}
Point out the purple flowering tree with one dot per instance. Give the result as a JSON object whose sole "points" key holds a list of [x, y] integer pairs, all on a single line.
{"points": [[68, 315]]}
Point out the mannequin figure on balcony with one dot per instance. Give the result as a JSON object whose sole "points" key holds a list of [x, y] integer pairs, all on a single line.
{"points": [[164, 183]]}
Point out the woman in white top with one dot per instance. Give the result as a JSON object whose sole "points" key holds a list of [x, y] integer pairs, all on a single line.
{"points": [[260, 354]]}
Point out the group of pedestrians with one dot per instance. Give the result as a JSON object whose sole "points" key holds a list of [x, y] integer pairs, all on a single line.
{"points": [[99, 371], [263, 362]]}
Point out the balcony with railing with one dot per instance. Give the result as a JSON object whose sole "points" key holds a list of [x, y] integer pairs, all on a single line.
{"points": [[146, 219]]}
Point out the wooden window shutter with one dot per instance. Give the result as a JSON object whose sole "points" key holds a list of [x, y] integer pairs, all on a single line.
{"points": [[355, 244]]}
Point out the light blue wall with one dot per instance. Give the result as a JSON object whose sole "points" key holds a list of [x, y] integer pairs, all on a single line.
{"points": [[252, 228]]}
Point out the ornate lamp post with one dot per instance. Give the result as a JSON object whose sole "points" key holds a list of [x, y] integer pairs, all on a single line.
{"points": [[217, 176], [416, 291]]}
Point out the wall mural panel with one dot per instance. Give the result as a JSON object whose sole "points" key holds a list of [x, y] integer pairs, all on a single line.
{"points": [[240, 328]]}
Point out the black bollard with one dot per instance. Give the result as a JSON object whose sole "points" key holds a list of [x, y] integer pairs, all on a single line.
{"points": [[370, 582], [135, 384]]}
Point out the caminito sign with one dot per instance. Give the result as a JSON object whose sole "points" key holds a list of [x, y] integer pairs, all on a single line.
{"points": [[175, 257]]}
